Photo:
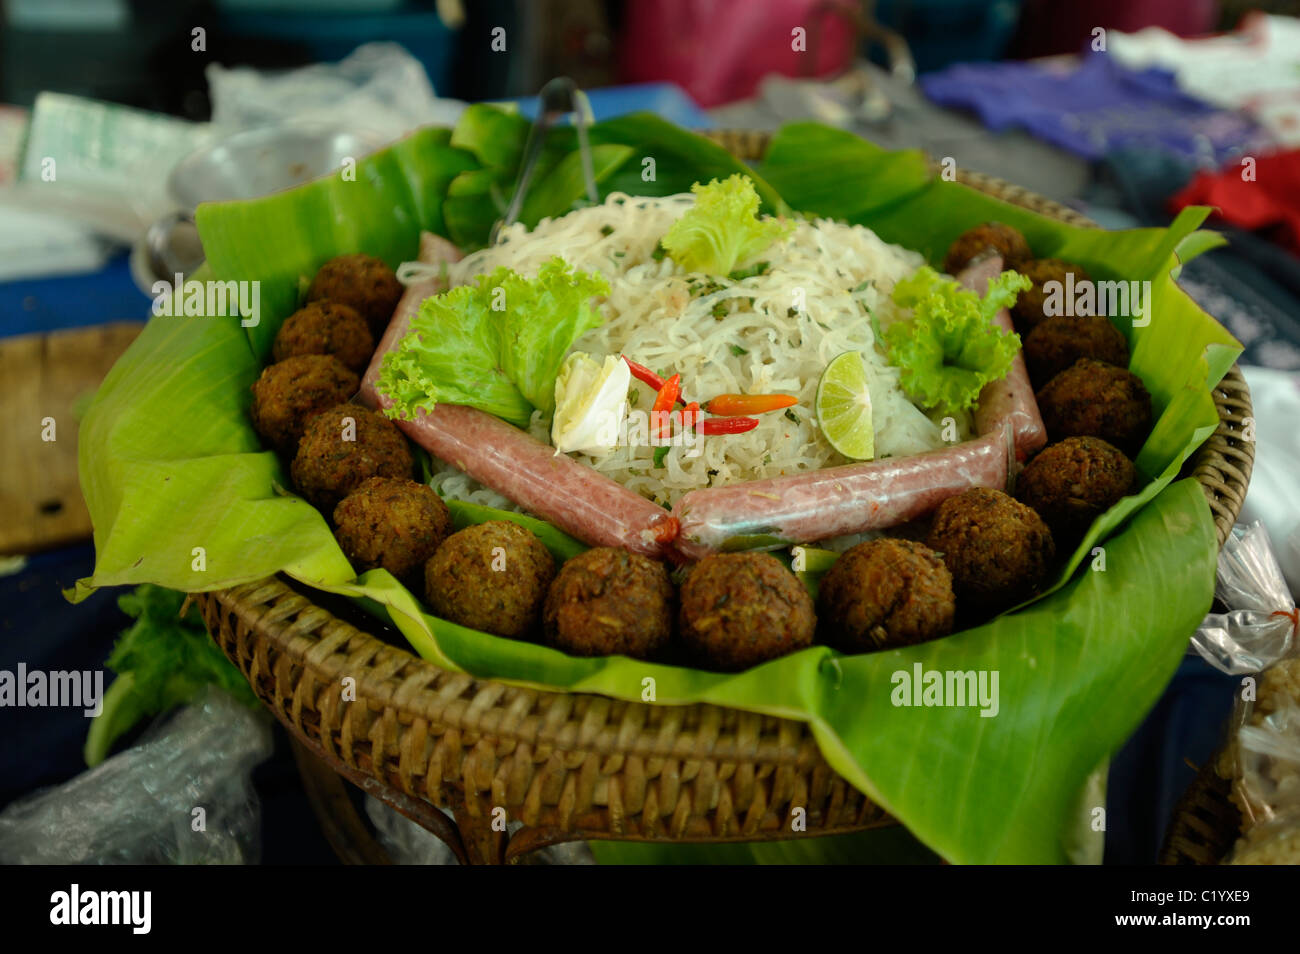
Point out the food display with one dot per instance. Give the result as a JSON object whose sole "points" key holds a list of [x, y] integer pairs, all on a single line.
{"points": [[760, 437], [886, 398]]}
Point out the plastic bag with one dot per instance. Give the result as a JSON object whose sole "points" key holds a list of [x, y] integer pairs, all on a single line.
{"points": [[378, 88], [1260, 627], [183, 795], [1266, 769]]}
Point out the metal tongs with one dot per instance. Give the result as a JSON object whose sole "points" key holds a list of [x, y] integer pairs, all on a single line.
{"points": [[560, 98]]}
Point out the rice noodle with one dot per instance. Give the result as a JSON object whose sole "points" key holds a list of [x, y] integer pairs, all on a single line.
{"points": [[813, 304]]}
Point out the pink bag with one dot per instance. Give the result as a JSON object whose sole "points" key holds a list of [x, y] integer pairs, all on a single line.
{"points": [[719, 50]]}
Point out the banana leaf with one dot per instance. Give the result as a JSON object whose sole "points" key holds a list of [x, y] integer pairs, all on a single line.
{"points": [[182, 494]]}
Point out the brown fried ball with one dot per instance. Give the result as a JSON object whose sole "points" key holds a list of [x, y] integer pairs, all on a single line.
{"points": [[1094, 399], [289, 394], [885, 593], [491, 577], [741, 609], [392, 523], [608, 602], [343, 446], [361, 282], [326, 327], [1058, 342], [1029, 308], [989, 238], [998, 550], [1071, 483]]}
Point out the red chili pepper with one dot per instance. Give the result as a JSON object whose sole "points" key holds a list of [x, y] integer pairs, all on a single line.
{"points": [[728, 425], [727, 404], [648, 377], [690, 415], [664, 401], [644, 374]]}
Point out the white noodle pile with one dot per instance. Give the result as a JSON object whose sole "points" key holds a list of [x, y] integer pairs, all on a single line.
{"points": [[662, 317]]}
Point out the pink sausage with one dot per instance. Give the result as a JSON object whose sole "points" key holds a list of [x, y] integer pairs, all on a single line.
{"points": [[590, 506], [1012, 398], [801, 508], [433, 250]]}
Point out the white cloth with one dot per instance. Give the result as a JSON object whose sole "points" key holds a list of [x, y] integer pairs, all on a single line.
{"points": [[1255, 68]]}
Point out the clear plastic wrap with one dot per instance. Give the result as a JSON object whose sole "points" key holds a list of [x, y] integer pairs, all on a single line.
{"points": [[1261, 624], [182, 795], [1265, 763]]}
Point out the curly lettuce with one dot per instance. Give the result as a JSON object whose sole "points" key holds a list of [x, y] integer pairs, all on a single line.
{"points": [[163, 660], [496, 345], [950, 347], [722, 231]]}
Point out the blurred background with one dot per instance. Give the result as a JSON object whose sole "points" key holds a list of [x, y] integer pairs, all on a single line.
{"points": [[111, 113]]}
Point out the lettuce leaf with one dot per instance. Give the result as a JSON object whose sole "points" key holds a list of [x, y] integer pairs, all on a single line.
{"points": [[722, 230], [163, 660], [950, 348], [496, 345]]}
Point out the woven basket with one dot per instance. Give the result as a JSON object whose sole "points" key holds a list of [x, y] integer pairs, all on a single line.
{"points": [[1205, 823], [573, 766]]}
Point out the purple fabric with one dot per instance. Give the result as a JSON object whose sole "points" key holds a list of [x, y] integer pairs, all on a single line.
{"points": [[1096, 107]]}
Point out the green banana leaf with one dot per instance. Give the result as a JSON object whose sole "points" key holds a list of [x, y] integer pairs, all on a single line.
{"points": [[182, 494]]}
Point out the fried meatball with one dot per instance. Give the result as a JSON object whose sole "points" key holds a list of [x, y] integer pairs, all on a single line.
{"points": [[491, 577], [607, 602], [392, 523], [991, 237], [1057, 342], [1028, 311], [1094, 399], [361, 282], [885, 593], [998, 550], [335, 456], [1071, 483], [741, 609], [289, 394], [326, 327]]}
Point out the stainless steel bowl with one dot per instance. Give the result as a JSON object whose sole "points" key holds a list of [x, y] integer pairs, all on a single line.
{"points": [[246, 165]]}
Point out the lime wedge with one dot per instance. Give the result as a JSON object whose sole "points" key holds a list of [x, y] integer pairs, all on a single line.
{"points": [[844, 406]]}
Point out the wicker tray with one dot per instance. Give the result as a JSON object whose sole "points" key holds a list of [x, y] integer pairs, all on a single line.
{"points": [[1205, 823], [574, 766]]}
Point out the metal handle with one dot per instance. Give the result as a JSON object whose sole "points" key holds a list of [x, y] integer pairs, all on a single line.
{"points": [[559, 98]]}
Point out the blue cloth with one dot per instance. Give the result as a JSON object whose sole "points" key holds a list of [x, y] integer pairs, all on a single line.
{"points": [[1095, 108]]}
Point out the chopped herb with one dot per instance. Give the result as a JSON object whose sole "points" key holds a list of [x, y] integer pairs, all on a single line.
{"points": [[738, 351], [863, 285], [619, 254], [767, 458], [792, 312], [607, 230], [659, 252], [633, 395], [792, 415], [702, 288], [758, 268], [660, 454], [719, 309]]}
